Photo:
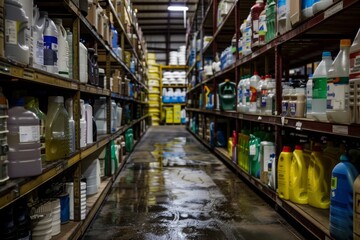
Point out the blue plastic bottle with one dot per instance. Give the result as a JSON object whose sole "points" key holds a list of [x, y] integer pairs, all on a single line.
{"points": [[341, 203]]}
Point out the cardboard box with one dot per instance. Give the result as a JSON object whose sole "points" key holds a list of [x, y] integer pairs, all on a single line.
{"points": [[295, 12]]}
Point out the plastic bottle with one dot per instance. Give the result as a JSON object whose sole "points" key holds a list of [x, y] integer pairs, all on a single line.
{"points": [[297, 104], [309, 96], [285, 105], [307, 8], [298, 176], [262, 27], [319, 177], [115, 39], [63, 49], [90, 65], [37, 27], [266, 150], [269, 108], [83, 63], [337, 109], [254, 80], [341, 202], [27, 6], [119, 116], [16, 29], [234, 146], [283, 173], [96, 69], [57, 137], [100, 115], [89, 123], [69, 39], [256, 10], [355, 57], [246, 94], [70, 110], [230, 146], [264, 94], [240, 93], [24, 142], [270, 20], [272, 171], [319, 89], [82, 125], [320, 5], [32, 104], [247, 36], [258, 94], [227, 95], [283, 16], [51, 35], [113, 116], [254, 159]]}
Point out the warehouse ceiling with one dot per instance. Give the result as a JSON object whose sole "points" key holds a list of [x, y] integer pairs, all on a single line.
{"points": [[163, 30]]}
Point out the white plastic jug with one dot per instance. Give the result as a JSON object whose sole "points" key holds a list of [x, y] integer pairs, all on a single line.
{"points": [[69, 39], [89, 123], [82, 125], [70, 110], [37, 28], [16, 27], [63, 49], [355, 57], [83, 60], [337, 109], [100, 115], [51, 44]]}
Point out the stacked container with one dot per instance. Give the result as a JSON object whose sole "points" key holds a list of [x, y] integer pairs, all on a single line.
{"points": [[154, 89]]}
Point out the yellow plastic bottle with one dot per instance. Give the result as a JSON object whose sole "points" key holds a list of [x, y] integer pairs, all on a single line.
{"points": [[230, 146], [283, 173], [319, 179], [298, 176]]}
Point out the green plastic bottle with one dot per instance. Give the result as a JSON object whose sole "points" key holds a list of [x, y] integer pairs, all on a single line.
{"points": [[270, 20], [129, 140]]}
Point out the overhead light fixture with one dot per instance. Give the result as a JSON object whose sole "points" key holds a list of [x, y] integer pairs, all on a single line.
{"points": [[177, 8]]}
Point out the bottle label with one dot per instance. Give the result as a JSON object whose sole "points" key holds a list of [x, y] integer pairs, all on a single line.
{"points": [[50, 50], [252, 94], [252, 150], [38, 48], [338, 93], [29, 134], [264, 96], [293, 108], [333, 183], [319, 89], [11, 31], [284, 107], [355, 65]]}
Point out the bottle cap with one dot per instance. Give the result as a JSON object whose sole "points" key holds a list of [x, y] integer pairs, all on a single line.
{"points": [[344, 158], [345, 42], [326, 54], [286, 149], [298, 147]]}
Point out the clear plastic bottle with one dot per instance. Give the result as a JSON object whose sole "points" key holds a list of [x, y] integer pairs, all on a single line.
{"points": [[57, 137], [337, 109], [24, 142], [63, 49], [319, 89]]}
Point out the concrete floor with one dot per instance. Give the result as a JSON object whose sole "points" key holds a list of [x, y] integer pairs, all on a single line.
{"points": [[174, 188]]}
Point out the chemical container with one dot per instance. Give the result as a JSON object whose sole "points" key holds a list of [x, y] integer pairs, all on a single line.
{"points": [[227, 95], [283, 16], [51, 35], [267, 149], [272, 172], [254, 152], [307, 8], [256, 10], [283, 173], [89, 123], [320, 5], [70, 110], [69, 39], [270, 11], [57, 131], [90, 64], [243, 151], [100, 115], [24, 142], [341, 202], [129, 140], [4, 107], [298, 176], [354, 57], [92, 175], [297, 103], [37, 28], [319, 177], [337, 109], [83, 63], [254, 81], [63, 49], [82, 124], [70, 191], [16, 29]]}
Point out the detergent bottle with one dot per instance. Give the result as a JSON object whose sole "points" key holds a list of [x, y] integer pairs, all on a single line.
{"points": [[319, 89], [341, 202], [256, 10], [283, 173], [320, 5], [240, 107], [298, 176], [227, 94], [38, 26], [254, 81], [319, 177], [230, 146], [234, 146], [51, 35], [283, 16], [354, 57], [254, 159], [266, 150], [63, 49], [272, 172], [69, 39], [270, 20], [337, 109], [307, 8], [82, 125]]}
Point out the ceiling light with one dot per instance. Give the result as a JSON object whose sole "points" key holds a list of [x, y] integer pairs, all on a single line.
{"points": [[178, 8]]}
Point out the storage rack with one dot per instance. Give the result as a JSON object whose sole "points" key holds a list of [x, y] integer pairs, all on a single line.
{"points": [[167, 68], [17, 76], [302, 45]]}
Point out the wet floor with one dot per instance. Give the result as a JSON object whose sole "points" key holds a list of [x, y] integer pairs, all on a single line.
{"points": [[174, 188]]}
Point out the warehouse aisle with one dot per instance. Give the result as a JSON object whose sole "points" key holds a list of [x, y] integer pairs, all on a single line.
{"points": [[174, 188]]}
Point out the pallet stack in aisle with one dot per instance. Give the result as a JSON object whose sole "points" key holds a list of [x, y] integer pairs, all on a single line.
{"points": [[154, 89]]}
